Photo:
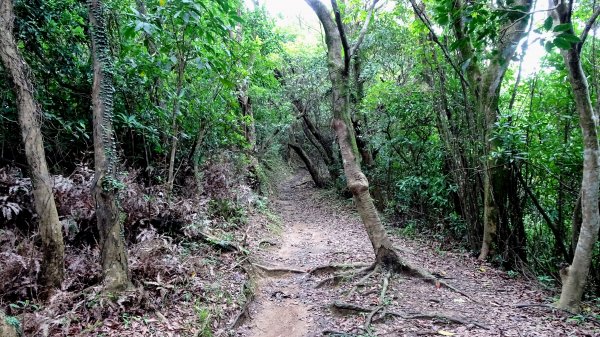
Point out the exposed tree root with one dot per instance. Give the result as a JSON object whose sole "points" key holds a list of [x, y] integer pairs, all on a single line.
{"points": [[343, 307], [336, 333], [274, 271], [362, 281], [244, 314], [430, 278], [334, 267], [221, 244], [335, 279]]}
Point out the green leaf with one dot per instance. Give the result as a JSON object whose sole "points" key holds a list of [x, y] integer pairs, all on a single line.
{"points": [[569, 37], [563, 27], [548, 46], [562, 43], [548, 23], [442, 19]]}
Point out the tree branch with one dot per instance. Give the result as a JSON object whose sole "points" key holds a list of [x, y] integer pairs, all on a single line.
{"points": [[588, 25], [340, 27], [363, 30], [423, 17]]}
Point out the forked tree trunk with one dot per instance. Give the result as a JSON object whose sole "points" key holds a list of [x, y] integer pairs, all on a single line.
{"points": [[574, 277], [29, 119], [357, 182], [112, 240]]}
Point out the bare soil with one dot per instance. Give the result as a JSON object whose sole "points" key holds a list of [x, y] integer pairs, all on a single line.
{"points": [[318, 229]]}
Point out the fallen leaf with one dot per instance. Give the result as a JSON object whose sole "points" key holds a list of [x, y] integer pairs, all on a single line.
{"points": [[446, 333]]}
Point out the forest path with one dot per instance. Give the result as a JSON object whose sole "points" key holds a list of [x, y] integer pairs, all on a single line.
{"points": [[318, 229]]}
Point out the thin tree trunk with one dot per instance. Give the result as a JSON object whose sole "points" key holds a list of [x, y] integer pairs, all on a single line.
{"points": [[312, 169], [174, 124], [52, 273], [112, 239], [574, 277]]}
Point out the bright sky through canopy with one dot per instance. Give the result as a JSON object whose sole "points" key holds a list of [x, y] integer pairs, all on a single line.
{"points": [[296, 13]]}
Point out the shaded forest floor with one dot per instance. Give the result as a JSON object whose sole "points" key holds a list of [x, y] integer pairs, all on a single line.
{"points": [[316, 229]]}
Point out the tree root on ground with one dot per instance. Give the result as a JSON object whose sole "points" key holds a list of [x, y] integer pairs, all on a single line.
{"points": [[244, 313], [334, 267], [369, 270], [221, 244], [276, 271], [344, 307], [335, 279], [430, 278]]}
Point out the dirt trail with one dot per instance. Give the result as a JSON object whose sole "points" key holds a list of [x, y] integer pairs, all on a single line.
{"points": [[317, 230]]}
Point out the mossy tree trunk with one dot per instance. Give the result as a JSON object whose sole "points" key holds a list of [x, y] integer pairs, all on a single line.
{"points": [[112, 240], [29, 120]]}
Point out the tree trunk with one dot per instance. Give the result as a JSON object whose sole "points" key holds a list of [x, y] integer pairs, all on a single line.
{"points": [[357, 182], [112, 240], [181, 64], [574, 277], [312, 169], [52, 273]]}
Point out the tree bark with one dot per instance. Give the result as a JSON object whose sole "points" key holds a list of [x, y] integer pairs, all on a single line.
{"points": [[312, 169], [485, 88], [357, 182], [181, 64], [574, 277], [112, 240], [30, 114]]}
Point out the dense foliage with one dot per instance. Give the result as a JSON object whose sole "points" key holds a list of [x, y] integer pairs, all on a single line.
{"points": [[212, 96]]}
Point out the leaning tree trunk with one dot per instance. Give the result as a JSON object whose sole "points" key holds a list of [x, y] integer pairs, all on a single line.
{"points": [[29, 119], [112, 240], [574, 277], [310, 166], [342, 125]]}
